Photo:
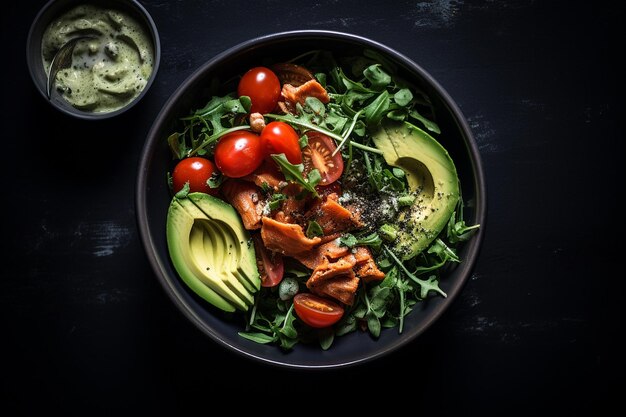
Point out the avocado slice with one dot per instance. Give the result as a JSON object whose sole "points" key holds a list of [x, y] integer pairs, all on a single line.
{"points": [[243, 259], [431, 176], [180, 223], [203, 252], [204, 267], [204, 241]]}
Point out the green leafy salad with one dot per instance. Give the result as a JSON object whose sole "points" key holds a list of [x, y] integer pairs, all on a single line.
{"points": [[314, 200]]}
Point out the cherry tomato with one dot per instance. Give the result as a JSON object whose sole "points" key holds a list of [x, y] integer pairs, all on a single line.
{"points": [[279, 137], [316, 311], [263, 88], [270, 264], [196, 171], [238, 153], [318, 154]]}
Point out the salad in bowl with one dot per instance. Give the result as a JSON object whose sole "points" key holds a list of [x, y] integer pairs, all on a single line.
{"points": [[311, 195]]}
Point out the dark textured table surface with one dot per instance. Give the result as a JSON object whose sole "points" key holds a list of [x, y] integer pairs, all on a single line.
{"points": [[87, 329]]}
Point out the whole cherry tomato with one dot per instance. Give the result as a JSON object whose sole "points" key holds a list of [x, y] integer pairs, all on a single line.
{"points": [[196, 171], [263, 88], [279, 137], [239, 153]]}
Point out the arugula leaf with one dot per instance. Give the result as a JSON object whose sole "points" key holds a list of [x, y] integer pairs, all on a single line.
{"points": [[380, 297], [346, 325], [381, 178], [215, 180], [314, 177], [375, 111], [458, 231], [376, 301], [432, 284], [287, 328], [257, 337], [294, 173], [353, 85], [350, 241], [403, 97], [428, 124], [178, 147], [326, 336], [373, 324], [276, 200], [280, 328], [378, 78], [314, 229], [183, 192], [443, 251]]}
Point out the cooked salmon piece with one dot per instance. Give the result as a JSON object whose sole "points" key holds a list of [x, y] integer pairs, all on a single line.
{"points": [[268, 173], [311, 88], [333, 217], [369, 272], [335, 279], [325, 251], [332, 236], [245, 197], [341, 287], [365, 267], [293, 206], [286, 238], [328, 269]]}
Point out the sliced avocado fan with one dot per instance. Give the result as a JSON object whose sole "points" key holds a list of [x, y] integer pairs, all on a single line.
{"points": [[211, 251]]}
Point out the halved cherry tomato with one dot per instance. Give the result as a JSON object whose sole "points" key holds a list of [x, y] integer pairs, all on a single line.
{"points": [[279, 137], [196, 171], [318, 154], [263, 88], [238, 153], [316, 311], [270, 264]]}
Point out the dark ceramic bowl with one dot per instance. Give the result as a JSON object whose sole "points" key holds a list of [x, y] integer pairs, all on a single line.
{"points": [[153, 198], [55, 8]]}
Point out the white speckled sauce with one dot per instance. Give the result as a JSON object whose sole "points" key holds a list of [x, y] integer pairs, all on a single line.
{"points": [[107, 72]]}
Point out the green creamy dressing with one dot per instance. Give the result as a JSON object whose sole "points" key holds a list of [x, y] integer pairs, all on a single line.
{"points": [[108, 71]]}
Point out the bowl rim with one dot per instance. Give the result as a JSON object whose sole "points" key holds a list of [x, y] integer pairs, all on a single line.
{"points": [[472, 247], [32, 43]]}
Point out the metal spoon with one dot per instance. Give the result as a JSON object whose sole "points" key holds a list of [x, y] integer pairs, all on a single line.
{"points": [[62, 59]]}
